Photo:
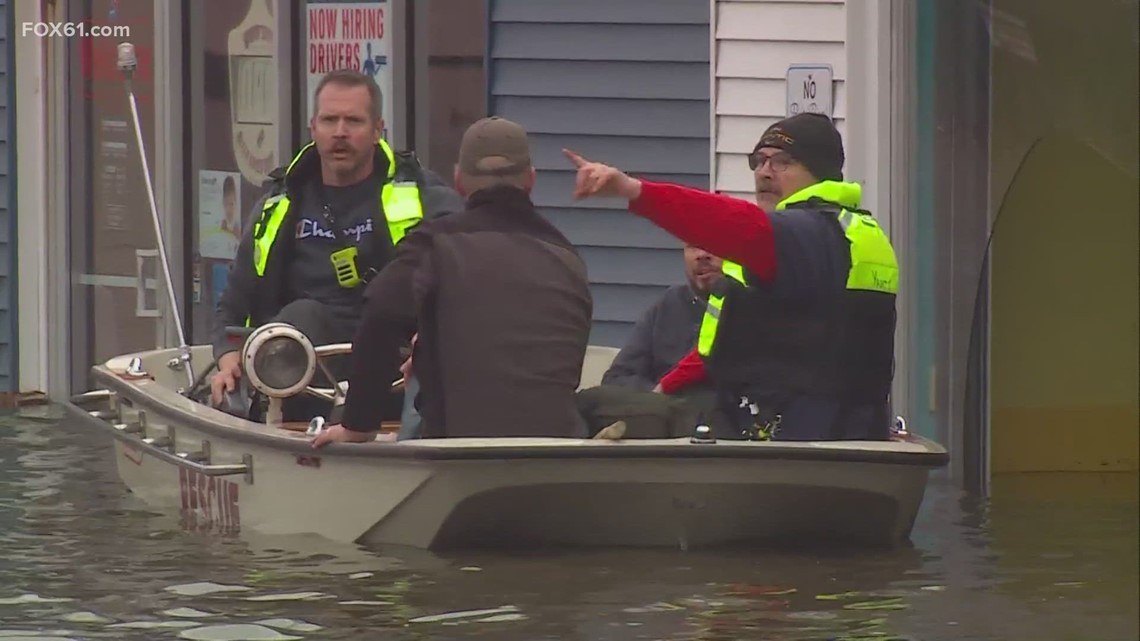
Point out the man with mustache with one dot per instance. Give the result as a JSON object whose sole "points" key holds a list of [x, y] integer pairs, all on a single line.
{"points": [[798, 338], [330, 221], [667, 331]]}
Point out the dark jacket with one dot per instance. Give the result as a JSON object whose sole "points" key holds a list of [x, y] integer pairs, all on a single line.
{"points": [[502, 305], [662, 336], [797, 260], [261, 299]]}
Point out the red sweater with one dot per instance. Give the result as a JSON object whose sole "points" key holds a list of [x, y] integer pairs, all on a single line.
{"points": [[730, 228]]}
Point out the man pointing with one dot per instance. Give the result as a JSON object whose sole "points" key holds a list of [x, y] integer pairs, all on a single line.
{"points": [[798, 339]]}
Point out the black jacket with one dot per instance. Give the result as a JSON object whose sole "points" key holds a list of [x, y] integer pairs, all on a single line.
{"points": [[502, 304], [803, 345], [260, 299]]}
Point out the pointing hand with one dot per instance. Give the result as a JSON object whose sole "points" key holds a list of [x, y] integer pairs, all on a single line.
{"points": [[597, 179]]}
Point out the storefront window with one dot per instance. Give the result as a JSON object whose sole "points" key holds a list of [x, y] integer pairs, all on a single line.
{"points": [[110, 228], [234, 111]]}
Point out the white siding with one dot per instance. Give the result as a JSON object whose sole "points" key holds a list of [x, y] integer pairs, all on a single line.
{"points": [[755, 42]]}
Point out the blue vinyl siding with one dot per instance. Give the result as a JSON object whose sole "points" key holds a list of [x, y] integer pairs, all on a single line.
{"points": [[9, 361], [626, 83]]}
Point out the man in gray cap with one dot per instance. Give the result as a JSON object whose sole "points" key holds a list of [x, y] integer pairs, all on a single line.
{"points": [[500, 301]]}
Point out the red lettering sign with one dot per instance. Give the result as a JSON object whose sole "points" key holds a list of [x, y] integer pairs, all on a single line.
{"points": [[209, 503]]}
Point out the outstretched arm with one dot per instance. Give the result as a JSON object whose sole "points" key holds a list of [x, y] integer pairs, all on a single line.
{"points": [[731, 228]]}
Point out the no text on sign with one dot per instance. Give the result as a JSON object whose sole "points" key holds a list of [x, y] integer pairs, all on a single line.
{"points": [[810, 89]]}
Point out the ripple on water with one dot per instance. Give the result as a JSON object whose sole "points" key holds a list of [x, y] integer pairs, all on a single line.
{"points": [[85, 617], [155, 625], [25, 599], [236, 632], [202, 588], [504, 613], [24, 636], [290, 625], [290, 596], [188, 613]]}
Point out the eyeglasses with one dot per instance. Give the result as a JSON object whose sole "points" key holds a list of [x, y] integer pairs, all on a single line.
{"points": [[779, 161]]}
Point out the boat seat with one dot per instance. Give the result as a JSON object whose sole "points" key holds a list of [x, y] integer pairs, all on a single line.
{"points": [[597, 361]]}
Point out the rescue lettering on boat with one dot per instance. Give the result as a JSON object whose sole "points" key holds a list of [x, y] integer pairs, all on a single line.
{"points": [[133, 453], [209, 503]]}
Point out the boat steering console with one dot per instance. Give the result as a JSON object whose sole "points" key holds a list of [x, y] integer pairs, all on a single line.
{"points": [[278, 361]]}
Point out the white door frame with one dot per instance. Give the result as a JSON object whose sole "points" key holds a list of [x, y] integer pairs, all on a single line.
{"points": [[879, 147], [38, 188], [169, 161]]}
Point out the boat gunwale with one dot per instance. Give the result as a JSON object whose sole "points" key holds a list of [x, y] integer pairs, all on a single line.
{"points": [[174, 410]]}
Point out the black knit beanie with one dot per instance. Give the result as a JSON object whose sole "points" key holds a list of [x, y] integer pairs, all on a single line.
{"points": [[810, 138]]}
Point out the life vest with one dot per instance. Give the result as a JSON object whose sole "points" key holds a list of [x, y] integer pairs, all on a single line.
{"points": [[751, 341], [399, 200]]}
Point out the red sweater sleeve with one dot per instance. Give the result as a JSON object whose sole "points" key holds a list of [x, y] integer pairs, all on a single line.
{"points": [[727, 227], [688, 371]]}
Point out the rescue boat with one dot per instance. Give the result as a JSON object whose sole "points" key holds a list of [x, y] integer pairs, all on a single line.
{"points": [[223, 473], [226, 474]]}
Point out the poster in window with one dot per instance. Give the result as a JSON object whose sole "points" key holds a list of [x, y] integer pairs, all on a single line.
{"points": [[351, 35], [219, 214]]}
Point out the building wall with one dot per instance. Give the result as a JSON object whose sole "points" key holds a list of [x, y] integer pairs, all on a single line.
{"points": [[756, 41], [869, 46], [31, 109], [1063, 380], [626, 83], [9, 359]]}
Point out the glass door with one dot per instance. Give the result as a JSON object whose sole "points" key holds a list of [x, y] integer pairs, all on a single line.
{"points": [[239, 104], [116, 300]]}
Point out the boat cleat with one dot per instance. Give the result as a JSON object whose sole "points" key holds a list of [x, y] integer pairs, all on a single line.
{"points": [[316, 426]]}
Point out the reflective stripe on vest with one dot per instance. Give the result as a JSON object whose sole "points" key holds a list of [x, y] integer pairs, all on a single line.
{"points": [[873, 263], [712, 309], [399, 200]]}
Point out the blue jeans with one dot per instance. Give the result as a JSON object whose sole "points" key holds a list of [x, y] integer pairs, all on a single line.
{"points": [[410, 418]]}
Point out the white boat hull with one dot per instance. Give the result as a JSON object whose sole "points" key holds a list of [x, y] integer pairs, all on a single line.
{"points": [[441, 493]]}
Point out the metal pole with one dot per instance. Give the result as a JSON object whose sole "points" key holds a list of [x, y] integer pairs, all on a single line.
{"points": [[127, 64]]}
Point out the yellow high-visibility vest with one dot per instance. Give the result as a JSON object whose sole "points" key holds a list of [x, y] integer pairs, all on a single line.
{"points": [[400, 202], [874, 266]]}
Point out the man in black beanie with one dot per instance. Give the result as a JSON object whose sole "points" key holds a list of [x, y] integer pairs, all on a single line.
{"points": [[799, 340], [794, 154]]}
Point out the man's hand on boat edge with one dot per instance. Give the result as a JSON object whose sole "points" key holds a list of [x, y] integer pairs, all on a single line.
{"points": [[225, 381], [341, 434]]}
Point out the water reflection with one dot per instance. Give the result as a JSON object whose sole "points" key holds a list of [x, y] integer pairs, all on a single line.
{"points": [[1048, 558]]}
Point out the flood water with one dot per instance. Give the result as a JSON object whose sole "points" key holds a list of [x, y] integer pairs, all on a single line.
{"points": [[1047, 558]]}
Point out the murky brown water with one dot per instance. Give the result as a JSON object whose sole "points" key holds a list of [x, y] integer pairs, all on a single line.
{"points": [[1048, 558]]}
